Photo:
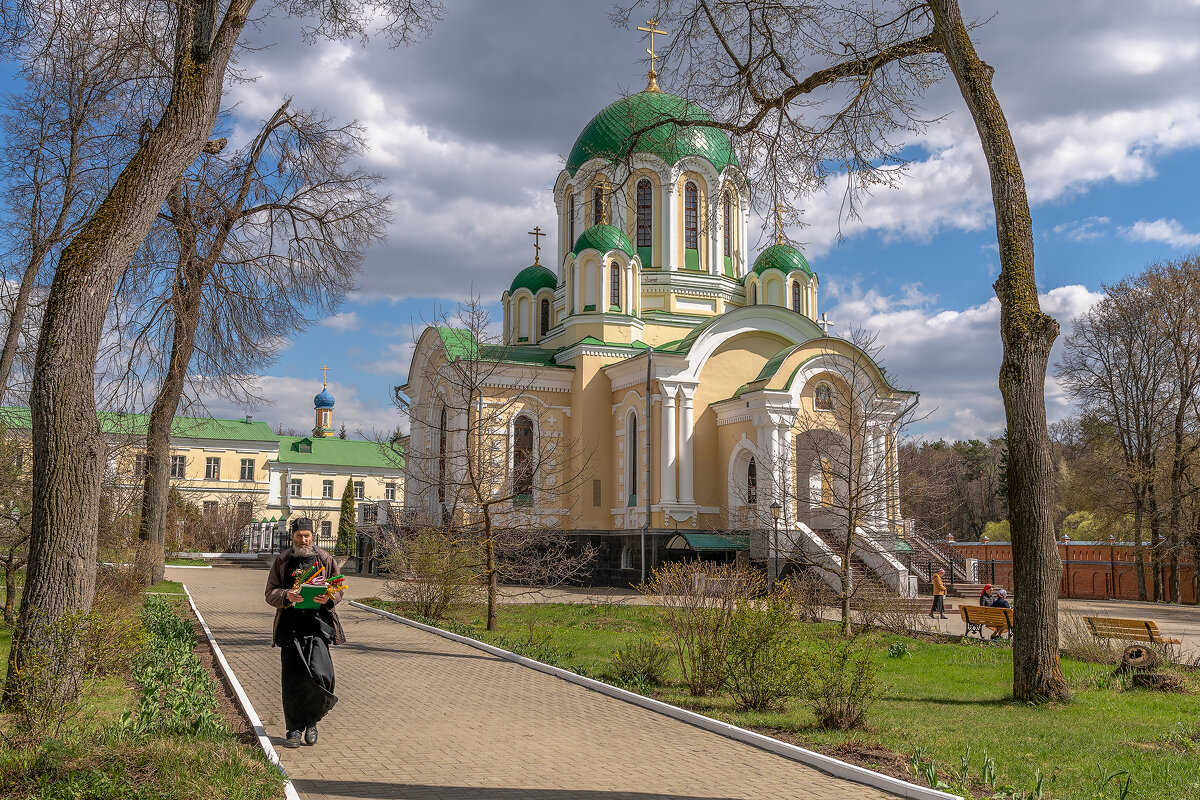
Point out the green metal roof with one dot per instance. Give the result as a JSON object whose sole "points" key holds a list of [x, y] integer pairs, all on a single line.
{"points": [[534, 278], [112, 423], [640, 123], [708, 541], [335, 452], [782, 257], [603, 237], [460, 343]]}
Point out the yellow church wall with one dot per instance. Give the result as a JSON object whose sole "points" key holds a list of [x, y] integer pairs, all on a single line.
{"points": [[727, 438], [736, 362], [591, 427]]}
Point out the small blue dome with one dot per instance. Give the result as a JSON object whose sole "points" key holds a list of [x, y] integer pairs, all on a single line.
{"points": [[323, 400]]}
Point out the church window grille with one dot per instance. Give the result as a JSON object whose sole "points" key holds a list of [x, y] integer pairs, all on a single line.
{"points": [[545, 313], [644, 214], [631, 459], [690, 208], [796, 296], [614, 284], [571, 221], [523, 461], [823, 397], [726, 222], [752, 482]]}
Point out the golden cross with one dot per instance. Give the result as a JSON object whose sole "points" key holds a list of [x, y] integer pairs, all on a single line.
{"points": [[652, 29], [536, 233], [324, 376], [779, 207]]}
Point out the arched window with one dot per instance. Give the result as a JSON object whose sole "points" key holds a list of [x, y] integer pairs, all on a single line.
{"points": [[522, 461], [442, 459], [631, 459], [752, 482], [545, 314], [614, 284], [627, 557], [796, 296], [727, 222], [571, 222], [690, 208], [598, 205], [754, 294], [823, 397], [645, 213]]}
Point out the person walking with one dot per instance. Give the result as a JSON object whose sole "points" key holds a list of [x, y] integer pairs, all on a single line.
{"points": [[939, 595], [304, 636]]}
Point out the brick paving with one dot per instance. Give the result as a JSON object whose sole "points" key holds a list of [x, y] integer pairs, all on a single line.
{"points": [[426, 718]]}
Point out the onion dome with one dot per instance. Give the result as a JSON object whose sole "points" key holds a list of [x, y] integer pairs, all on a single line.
{"points": [[625, 127], [323, 400], [534, 278], [603, 237], [782, 257]]}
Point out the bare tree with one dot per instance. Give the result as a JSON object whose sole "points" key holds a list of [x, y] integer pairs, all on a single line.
{"points": [[489, 462], [252, 248], [816, 89], [1116, 364], [14, 516], [67, 441]]}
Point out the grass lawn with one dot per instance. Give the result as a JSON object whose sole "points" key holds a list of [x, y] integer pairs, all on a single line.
{"points": [[941, 698], [186, 562], [92, 756]]}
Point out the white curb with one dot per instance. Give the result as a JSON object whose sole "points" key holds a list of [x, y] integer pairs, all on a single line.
{"points": [[824, 763], [264, 741]]}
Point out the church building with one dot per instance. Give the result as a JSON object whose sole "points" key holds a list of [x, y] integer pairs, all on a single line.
{"points": [[698, 384]]}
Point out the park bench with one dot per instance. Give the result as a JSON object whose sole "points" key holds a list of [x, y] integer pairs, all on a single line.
{"points": [[978, 616], [1134, 630]]}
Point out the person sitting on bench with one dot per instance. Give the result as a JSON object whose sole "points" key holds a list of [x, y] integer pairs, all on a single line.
{"points": [[985, 597], [1001, 601]]}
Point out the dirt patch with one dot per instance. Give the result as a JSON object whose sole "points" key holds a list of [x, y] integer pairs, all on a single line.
{"points": [[860, 754], [227, 701]]}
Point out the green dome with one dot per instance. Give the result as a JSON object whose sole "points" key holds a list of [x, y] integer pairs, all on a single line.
{"points": [[782, 257], [603, 238], [534, 278], [610, 133]]}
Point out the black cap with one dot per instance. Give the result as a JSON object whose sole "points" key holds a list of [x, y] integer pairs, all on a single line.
{"points": [[302, 524]]}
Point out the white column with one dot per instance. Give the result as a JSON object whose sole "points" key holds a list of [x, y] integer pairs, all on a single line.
{"points": [[670, 228], [685, 441], [667, 478]]}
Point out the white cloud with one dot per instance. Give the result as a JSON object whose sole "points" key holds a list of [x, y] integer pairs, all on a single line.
{"points": [[292, 407], [1167, 231], [952, 357], [348, 321], [1079, 230]]}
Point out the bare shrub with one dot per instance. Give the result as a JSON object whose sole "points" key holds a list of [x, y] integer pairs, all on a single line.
{"points": [[1077, 641], [762, 662], [839, 683], [430, 573], [811, 595], [698, 602], [881, 609]]}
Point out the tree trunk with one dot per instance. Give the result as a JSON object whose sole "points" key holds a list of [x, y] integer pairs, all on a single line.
{"points": [[16, 320], [1156, 554], [69, 450], [1027, 336], [493, 583], [1139, 554], [10, 584], [847, 586]]}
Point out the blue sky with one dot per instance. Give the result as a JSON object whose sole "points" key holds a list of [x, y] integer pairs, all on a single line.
{"points": [[471, 126]]}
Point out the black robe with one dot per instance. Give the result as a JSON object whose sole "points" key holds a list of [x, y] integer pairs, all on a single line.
{"points": [[303, 636]]}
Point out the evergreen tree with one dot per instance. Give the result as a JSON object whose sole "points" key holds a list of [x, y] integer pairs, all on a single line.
{"points": [[345, 533], [342, 432]]}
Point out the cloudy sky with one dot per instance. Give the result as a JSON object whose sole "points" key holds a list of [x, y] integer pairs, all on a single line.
{"points": [[471, 128]]}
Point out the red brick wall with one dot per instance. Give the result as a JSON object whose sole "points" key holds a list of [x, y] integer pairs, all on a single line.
{"points": [[1088, 569]]}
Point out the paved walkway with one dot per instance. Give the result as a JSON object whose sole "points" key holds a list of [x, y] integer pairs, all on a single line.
{"points": [[422, 717]]}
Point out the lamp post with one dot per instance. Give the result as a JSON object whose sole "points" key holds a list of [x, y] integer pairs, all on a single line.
{"points": [[774, 573], [1112, 565]]}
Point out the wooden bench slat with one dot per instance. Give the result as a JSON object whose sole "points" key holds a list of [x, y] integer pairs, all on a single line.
{"points": [[1137, 630]]}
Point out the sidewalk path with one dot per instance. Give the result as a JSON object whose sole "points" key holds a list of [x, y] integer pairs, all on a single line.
{"points": [[423, 717]]}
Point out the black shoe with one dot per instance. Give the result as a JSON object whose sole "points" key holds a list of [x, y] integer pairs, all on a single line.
{"points": [[310, 735], [293, 738]]}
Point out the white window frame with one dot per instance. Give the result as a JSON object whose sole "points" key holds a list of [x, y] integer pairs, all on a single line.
{"points": [[294, 487], [212, 468], [327, 490]]}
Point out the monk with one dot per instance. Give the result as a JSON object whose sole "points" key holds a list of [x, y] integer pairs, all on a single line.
{"points": [[304, 636]]}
